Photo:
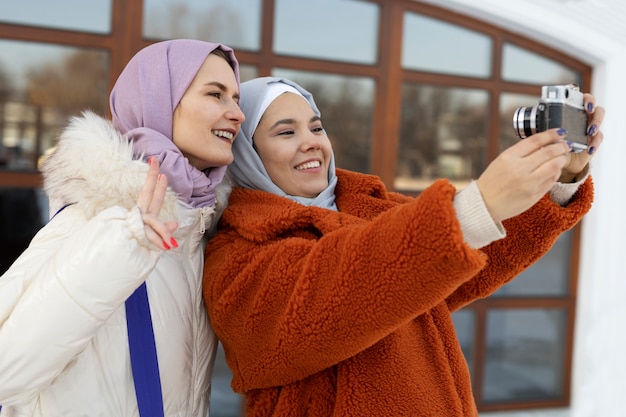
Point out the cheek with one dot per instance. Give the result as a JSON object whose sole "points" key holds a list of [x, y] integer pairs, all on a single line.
{"points": [[184, 121]]}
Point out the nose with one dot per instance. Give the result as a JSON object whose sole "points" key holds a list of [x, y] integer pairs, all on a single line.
{"points": [[235, 114], [310, 141]]}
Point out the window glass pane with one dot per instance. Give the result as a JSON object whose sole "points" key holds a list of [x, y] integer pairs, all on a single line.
{"points": [[347, 105], [79, 15], [525, 354], [443, 134], [234, 23], [510, 102], [329, 37], [247, 72], [23, 211], [224, 401], [464, 323], [521, 65], [435, 46], [547, 277], [40, 86]]}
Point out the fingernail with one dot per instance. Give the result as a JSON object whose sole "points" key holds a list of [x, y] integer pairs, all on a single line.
{"points": [[166, 246], [570, 144], [561, 132], [592, 130], [173, 242], [589, 107], [591, 150]]}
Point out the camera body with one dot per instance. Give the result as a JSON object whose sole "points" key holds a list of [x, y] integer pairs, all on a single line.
{"points": [[560, 106]]}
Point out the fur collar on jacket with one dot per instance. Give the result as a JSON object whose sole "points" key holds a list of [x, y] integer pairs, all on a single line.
{"points": [[93, 164]]}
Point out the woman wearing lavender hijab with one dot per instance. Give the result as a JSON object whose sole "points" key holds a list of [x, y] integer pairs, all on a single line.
{"points": [[131, 201]]}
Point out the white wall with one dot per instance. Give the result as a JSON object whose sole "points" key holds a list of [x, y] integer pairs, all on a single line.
{"points": [[599, 368]]}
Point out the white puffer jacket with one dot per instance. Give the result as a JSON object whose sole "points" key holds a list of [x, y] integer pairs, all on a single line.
{"points": [[63, 341]]}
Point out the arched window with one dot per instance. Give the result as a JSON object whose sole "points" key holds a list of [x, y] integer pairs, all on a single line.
{"points": [[408, 91]]}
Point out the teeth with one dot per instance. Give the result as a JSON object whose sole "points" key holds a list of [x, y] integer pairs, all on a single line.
{"points": [[308, 165], [223, 134]]}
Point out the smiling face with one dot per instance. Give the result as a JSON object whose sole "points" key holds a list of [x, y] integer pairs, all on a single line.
{"points": [[293, 146], [208, 117]]}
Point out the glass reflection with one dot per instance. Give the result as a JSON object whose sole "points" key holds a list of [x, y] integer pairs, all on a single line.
{"points": [[23, 211], [224, 401], [443, 134], [328, 39], [247, 72], [78, 15], [547, 277], [464, 323], [522, 65], [436, 46], [236, 24], [525, 355], [40, 86], [347, 105], [509, 102]]}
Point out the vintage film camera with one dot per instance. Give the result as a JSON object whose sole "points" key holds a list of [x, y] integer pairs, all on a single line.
{"points": [[560, 106]]}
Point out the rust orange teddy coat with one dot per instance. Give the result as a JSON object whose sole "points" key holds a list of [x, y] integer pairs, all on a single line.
{"points": [[348, 313]]}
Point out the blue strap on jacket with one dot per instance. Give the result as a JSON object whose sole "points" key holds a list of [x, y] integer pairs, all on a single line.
{"points": [[143, 355]]}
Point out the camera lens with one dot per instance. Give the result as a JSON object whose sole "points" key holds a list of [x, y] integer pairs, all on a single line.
{"points": [[525, 121]]}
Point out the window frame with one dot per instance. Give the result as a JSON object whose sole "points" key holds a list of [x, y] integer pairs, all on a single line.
{"points": [[126, 38]]}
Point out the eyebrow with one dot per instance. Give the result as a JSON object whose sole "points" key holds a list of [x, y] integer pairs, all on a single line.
{"points": [[291, 121], [222, 87]]}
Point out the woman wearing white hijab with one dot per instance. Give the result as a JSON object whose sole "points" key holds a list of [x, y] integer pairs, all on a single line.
{"points": [[333, 296]]}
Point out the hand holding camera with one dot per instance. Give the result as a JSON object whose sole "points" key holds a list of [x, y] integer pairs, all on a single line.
{"points": [[560, 136], [564, 107]]}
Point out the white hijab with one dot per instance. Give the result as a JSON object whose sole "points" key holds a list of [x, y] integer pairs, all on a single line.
{"points": [[248, 170]]}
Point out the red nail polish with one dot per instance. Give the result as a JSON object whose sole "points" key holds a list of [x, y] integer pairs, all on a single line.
{"points": [[173, 242], [166, 246]]}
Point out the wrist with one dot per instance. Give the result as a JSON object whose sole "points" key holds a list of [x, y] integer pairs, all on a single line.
{"points": [[571, 177]]}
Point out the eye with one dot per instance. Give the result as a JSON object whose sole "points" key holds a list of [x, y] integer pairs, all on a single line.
{"points": [[216, 94], [317, 127], [287, 132]]}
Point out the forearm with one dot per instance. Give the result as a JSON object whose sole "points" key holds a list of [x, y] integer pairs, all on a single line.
{"points": [[56, 297], [529, 236]]}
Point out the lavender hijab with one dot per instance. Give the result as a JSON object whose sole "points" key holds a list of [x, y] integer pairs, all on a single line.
{"points": [[248, 170], [143, 101]]}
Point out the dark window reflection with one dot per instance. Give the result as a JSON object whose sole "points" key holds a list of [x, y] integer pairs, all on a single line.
{"points": [[40, 87], [547, 277], [347, 106], [524, 359], [338, 30], [522, 65], [224, 401], [433, 45], [443, 134], [22, 213], [234, 23], [464, 324], [78, 15]]}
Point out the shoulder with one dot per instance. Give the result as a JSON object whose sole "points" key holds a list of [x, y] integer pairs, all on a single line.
{"points": [[93, 163]]}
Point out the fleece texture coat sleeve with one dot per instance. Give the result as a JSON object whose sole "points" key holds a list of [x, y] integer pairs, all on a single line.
{"points": [[528, 238], [347, 313]]}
